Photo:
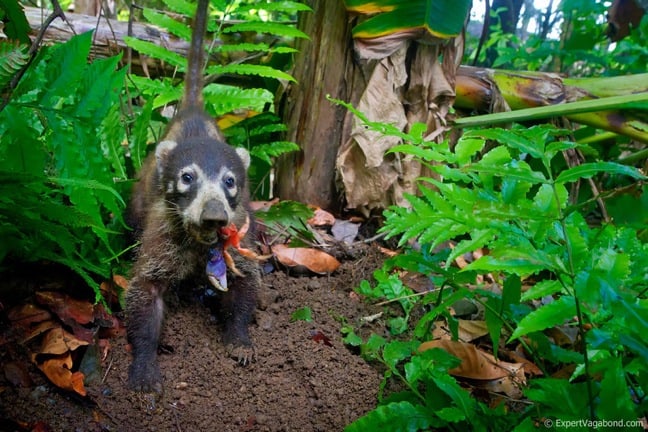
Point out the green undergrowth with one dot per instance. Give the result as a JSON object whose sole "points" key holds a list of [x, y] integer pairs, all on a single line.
{"points": [[75, 130], [509, 193], [240, 85], [61, 161]]}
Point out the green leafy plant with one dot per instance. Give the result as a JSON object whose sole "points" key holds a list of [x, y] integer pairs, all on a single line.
{"points": [[61, 160], [302, 314], [244, 111], [513, 200]]}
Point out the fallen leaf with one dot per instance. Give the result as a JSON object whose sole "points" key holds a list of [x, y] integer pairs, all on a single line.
{"points": [[313, 259], [318, 337], [27, 314], [468, 330], [507, 385], [57, 370], [256, 206], [390, 253], [475, 363], [529, 367], [58, 341], [40, 426], [70, 310], [40, 328], [321, 218], [345, 231], [120, 281], [418, 282]]}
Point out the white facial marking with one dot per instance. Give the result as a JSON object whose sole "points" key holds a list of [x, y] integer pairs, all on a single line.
{"points": [[245, 156], [208, 189], [193, 172]]}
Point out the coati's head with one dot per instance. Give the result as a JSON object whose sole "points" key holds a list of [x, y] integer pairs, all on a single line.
{"points": [[204, 181]]}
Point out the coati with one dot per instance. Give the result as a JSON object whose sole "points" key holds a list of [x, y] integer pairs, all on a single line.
{"points": [[190, 188]]}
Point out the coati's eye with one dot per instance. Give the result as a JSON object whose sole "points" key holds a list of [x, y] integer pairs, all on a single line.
{"points": [[186, 178], [230, 182]]}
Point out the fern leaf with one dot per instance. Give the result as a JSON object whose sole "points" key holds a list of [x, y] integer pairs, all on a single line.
{"points": [[101, 79], [289, 7], [223, 99], [177, 28], [158, 52], [15, 22], [276, 29], [183, 7], [12, 58], [66, 66], [267, 151], [248, 69]]}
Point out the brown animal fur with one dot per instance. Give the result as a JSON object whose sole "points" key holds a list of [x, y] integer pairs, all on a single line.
{"points": [[192, 186]]}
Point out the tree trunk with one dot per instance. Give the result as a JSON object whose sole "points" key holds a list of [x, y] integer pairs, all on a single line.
{"points": [[324, 66]]}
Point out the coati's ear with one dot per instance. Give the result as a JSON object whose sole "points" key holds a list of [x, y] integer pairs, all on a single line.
{"points": [[244, 155], [162, 153]]}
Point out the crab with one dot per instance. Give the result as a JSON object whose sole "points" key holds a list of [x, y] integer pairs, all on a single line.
{"points": [[220, 260]]}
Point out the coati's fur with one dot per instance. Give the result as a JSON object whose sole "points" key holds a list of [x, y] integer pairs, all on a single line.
{"points": [[192, 186]]}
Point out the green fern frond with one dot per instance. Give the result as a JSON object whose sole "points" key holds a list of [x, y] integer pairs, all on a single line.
{"points": [[183, 7], [162, 91], [13, 57], [223, 99], [253, 47], [276, 29], [249, 69], [267, 151], [289, 7], [152, 50], [164, 21]]}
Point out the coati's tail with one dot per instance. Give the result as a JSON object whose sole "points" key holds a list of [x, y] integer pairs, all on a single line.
{"points": [[193, 76]]}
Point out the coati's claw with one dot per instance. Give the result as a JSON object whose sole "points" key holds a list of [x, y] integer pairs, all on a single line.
{"points": [[243, 354], [145, 378], [149, 402], [216, 268]]}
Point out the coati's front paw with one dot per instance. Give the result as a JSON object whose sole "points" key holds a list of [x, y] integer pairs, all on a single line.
{"points": [[243, 354], [145, 377]]}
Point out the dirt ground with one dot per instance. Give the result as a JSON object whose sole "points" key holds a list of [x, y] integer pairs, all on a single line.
{"points": [[300, 381]]}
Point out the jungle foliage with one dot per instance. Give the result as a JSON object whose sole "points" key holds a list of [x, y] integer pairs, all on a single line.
{"points": [[543, 230], [73, 131]]}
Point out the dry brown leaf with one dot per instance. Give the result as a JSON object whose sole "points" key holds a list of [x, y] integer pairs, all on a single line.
{"points": [[471, 330], [28, 314], [321, 218], [58, 341], [529, 367], [256, 206], [120, 281], [57, 370], [564, 336], [40, 329], [70, 310], [475, 363], [313, 259], [507, 385], [468, 330], [418, 282], [388, 252]]}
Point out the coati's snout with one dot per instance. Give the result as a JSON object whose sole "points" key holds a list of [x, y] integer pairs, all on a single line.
{"points": [[203, 182], [213, 217]]}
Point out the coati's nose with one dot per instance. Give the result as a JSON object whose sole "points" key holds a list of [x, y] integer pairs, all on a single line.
{"points": [[213, 215]]}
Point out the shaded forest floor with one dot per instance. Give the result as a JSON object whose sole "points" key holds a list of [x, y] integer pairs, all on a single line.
{"points": [[304, 379]]}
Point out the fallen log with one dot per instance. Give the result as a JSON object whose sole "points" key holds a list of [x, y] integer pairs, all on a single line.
{"points": [[109, 39]]}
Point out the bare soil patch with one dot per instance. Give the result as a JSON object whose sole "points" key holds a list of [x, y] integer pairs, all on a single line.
{"points": [[299, 382]]}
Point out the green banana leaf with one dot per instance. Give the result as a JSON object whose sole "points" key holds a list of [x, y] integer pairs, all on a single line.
{"points": [[439, 18]]}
